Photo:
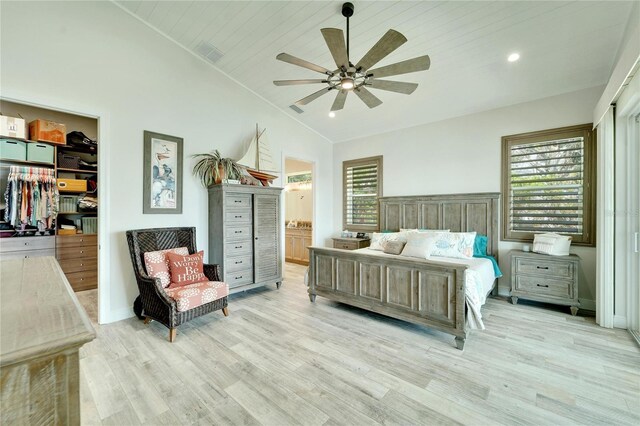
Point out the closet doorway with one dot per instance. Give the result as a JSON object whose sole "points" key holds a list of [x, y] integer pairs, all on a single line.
{"points": [[298, 211], [61, 221]]}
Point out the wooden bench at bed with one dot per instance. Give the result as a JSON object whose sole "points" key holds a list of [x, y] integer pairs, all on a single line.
{"points": [[420, 291]]}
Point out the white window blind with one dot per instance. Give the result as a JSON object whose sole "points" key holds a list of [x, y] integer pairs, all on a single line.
{"points": [[548, 184], [362, 187]]}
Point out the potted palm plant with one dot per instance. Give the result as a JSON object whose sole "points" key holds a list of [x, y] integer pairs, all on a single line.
{"points": [[213, 168]]}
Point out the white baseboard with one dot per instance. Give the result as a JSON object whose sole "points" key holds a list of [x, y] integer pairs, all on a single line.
{"points": [[619, 321], [119, 314]]}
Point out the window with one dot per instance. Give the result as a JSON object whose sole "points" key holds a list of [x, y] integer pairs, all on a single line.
{"points": [[362, 185], [548, 184]]}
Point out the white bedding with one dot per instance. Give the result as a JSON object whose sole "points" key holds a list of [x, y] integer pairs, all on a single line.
{"points": [[479, 281]]}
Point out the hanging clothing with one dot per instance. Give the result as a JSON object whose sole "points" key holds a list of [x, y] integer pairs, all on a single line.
{"points": [[31, 197]]}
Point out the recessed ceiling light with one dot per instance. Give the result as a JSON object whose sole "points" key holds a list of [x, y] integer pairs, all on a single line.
{"points": [[332, 114], [513, 57]]}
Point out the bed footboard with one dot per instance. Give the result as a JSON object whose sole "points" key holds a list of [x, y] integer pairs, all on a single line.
{"points": [[414, 290]]}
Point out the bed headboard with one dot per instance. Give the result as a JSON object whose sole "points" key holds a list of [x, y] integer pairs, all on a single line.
{"points": [[457, 212]]}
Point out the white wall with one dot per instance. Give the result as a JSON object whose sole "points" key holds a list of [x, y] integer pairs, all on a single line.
{"points": [[462, 155], [299, 205], [93, 57]]}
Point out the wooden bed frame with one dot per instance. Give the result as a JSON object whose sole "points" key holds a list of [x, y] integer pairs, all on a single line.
{"points": [[424, 292]]}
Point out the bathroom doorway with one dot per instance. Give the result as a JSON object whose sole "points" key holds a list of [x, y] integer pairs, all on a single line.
{"points": [[298, 211]]}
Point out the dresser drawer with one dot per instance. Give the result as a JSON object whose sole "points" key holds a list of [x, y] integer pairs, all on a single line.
{"points": [[238, 200], [233, 264], [27, 243], [24, 254], [544, 286], [238, 248], [542, 267], [238, 278], [78, 265], [78, 240], [233, 216], [66, 253], [84, 280], [239, 233]]}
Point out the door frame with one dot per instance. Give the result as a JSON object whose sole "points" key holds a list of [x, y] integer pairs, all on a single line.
{"points": [[102, 117]]}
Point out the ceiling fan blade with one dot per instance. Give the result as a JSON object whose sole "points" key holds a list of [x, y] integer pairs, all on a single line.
{"points": [[367, 97], [387, 44], [394, 86], [338, 104], [420, 63], [293, 82], [335, 42], [285, 57], [313, 96]]}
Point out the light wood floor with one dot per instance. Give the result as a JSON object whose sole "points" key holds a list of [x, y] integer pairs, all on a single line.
{"points": [[280, 360]]}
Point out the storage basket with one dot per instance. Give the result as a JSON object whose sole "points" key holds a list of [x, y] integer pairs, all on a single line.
{"points": [[40, 152], [13, 150], [66, 161], [89, 225], [68, 204], [72, 185]]}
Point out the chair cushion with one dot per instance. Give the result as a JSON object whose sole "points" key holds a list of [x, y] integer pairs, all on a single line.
{"points": [[193, 295], [157, 264], [186, 269]]}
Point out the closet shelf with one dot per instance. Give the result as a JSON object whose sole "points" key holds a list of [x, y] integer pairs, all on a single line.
{"points": [[77, 213], [74, 148], [25, 162], [83, 171]]}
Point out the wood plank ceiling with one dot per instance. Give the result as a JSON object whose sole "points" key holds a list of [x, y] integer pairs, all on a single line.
{"points": [[564, 46]]}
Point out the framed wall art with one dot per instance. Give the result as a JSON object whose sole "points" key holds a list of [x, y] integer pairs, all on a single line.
{"points": [[162, 174]]}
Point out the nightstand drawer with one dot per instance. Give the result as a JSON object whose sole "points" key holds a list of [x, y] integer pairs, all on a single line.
{"points": [[347, 245], [233, 200], [238, 263], [237, 278], [546, 268], [238, 216], [544, 286]]}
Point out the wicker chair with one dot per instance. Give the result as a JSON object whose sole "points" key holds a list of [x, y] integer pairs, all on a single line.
{"points": [[155, 302]]}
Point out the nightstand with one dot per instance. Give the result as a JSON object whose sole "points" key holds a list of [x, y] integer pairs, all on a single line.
{"points": [[351, 243], [544, 278]]}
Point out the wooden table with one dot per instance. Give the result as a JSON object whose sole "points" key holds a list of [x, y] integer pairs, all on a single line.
{"points": [[42, 327]]}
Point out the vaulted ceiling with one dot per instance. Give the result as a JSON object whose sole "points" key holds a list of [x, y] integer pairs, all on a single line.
{"points": [[564, 46]]}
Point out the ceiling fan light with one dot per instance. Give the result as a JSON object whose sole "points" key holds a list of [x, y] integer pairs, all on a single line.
{"points": [[347, 83]]}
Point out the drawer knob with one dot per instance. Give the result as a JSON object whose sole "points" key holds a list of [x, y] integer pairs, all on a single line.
{"points": [[239, 262], [238, 217], [542, 267], [26, 257], [82, 264], [81, 251], [238, 247], [543, 285], [26, 244], [237, 232], [237, 278], [237, 201]]}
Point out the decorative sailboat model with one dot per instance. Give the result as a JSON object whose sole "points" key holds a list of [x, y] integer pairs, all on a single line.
{"points": [[258, 159]]}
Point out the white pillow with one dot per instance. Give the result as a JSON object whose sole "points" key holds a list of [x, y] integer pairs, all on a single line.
{"points": [[378, 238], [423, 230], [419, 244], [454, 244]]}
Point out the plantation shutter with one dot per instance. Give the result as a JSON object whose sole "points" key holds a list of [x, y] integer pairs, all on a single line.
{"points": [[548, 186], [362, 187]]}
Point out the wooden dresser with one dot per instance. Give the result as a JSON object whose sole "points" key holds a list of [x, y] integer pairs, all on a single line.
{"points": [[244, 235], [544, 278], [350, 243], [78, 258], [42, 327]]}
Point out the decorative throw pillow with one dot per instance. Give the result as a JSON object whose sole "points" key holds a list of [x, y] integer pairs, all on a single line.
{"points": [[393, 247], [454, 244], [480, 245], [186, 269], [157, 264], [419, 244], [378, 238]]}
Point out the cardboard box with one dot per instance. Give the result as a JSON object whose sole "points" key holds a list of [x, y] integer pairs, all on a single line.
{"points": [[48, 131], [72, 185], [12, 127], [40, 152]]}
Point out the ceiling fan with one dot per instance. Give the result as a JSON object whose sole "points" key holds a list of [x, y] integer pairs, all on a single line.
{"points": [[359, 77]]}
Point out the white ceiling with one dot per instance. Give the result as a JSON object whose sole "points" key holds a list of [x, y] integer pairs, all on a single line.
{"points": [[564, 46]]}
